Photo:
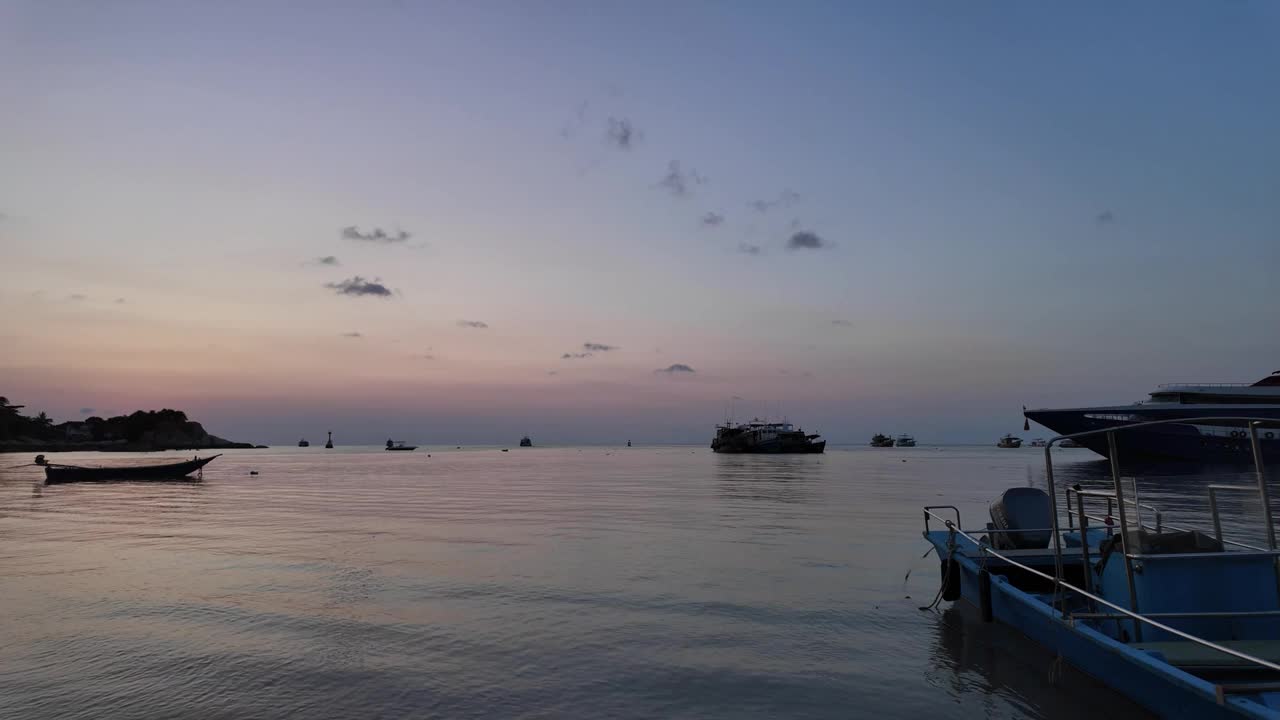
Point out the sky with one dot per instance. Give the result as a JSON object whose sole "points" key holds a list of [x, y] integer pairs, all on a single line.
{"points": [[598, 221]]}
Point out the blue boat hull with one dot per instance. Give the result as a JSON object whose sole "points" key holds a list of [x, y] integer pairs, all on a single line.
{"points": [[1152, 683]]}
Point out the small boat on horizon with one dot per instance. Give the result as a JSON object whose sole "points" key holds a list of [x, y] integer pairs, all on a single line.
{"points": [[904, 440], [526, 442], [400, 445], [1039, 442], [57, 473], [880, 440], [1009, 441], [304, 443]]}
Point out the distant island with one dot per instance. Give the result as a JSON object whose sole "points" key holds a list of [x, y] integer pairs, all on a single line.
{"points": [[141, 431]]}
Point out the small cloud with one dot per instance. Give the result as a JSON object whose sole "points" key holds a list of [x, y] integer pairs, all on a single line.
{"points": [[473, 324], [598, 347], [575, 356], [842, 323], [622, 134], [805, 240], [329, 260], [748, 249], [119, 301], [785, 199], [357, 286], [676, 368], [1106, 217], [77, 297], [677, 182], [712, 219], [352, 335], [376, 235], [87, 411]]}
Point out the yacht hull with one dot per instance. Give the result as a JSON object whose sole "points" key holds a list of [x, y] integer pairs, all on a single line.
{"points": [[1174, 442]]}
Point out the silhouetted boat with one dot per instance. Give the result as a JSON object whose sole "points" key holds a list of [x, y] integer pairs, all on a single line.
{"points": [[526, 442], [905, 440], [303, 443], [880, 440], [1009, 441], [54, 474], [762, 437], [399, 445], [1188, 440]]}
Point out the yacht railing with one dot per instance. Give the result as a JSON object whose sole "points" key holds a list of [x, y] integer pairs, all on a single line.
{"points": [[954, 528], [1251, 424]]}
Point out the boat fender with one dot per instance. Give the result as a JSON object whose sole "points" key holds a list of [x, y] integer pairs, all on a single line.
{"points": [[950, 580], [984, 594], [40, 460]]}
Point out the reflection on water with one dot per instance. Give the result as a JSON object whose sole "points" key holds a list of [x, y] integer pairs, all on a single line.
{"points": [[565, 582], [997, 663], [777, 478]]}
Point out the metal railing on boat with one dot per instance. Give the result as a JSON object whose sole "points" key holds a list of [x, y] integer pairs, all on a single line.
{"points": [[1121, 612], [1117, 501]]}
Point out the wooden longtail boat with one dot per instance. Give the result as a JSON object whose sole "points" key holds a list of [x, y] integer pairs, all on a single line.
{"points": [[170, 471]]}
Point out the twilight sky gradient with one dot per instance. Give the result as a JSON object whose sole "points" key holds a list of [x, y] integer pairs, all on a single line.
{"points": [[881, 216]]}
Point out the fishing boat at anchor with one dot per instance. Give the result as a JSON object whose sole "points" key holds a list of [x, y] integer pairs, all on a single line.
{"points": [[1183, 621], [400, 445], [56, 473]]}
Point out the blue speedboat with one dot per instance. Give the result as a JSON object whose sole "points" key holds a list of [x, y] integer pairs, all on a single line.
{"points": [[1183, 621], [1196, 438]]}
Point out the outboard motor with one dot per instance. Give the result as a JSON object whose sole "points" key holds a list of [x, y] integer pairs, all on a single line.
{"points": [[1021, 509]]}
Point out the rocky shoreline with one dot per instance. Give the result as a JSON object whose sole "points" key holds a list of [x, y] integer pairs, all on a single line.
{"points": [[141, 431], [46, 446]]}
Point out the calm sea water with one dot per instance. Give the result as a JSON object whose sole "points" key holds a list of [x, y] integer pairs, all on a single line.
{"points": [[546, 582]]}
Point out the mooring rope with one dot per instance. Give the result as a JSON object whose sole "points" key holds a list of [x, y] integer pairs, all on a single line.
{"points": [[11, 467], [946, 576]]}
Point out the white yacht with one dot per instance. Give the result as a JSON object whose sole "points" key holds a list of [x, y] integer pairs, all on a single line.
{"points": [[1205, 442]]}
